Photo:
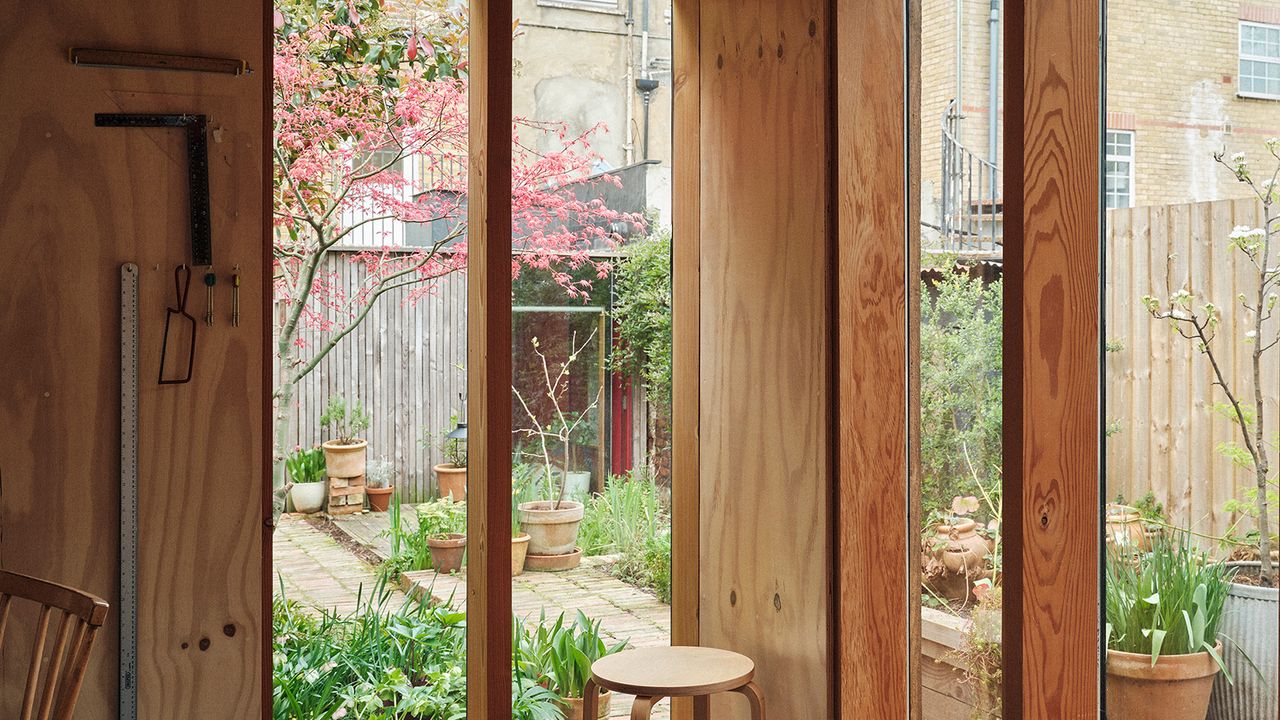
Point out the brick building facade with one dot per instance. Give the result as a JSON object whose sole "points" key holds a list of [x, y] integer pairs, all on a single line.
{"points": [[1184, 79]]}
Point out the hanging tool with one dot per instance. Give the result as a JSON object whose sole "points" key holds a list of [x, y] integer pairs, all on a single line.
{"points": [[235, 297], [210, 279], [197, 170], [128, 610], [181, 288]]}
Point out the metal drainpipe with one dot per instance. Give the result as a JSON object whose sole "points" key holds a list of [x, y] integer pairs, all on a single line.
{"points": [[993, 102], [629, 146]]}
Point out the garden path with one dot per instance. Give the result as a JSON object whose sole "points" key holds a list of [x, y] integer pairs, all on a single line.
{"points": [[317, 569]]}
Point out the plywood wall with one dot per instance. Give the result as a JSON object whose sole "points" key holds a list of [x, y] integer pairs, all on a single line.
{"points": [[765, 469], [75, 202]]}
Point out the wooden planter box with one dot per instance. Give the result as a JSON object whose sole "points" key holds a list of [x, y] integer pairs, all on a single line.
{"points": [[346, 495], [945, 694]]}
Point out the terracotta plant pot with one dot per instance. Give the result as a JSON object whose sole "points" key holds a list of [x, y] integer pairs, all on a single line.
{"points": [[962, 552], [379, 498], [1177, 688], [446, 553], [519, 547], [344, 461], [552, 531], [1124, 527], [553, 563], [572, 707], [308, 497], [451, 479]]}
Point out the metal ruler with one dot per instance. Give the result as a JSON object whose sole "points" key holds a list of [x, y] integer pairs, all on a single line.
{"points": [[128, 606]]}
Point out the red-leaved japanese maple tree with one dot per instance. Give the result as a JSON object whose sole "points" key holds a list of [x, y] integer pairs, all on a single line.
{"points": [[343, 126]]}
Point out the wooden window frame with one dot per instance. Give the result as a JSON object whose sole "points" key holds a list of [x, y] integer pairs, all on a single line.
{"points": [[1052, 442]]}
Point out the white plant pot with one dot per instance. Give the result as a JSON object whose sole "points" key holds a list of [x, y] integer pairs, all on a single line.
{"points": [[308, 497], [577, 485]]}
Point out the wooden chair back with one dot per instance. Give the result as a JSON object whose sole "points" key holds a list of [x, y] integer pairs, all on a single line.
{"points": [[81, 617]]}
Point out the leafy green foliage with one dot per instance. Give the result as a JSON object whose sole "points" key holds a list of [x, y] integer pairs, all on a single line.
{"points": [[381, 662], [364, 35], [1165, 602], [376, 663], [560, 654], [409, 548], [631, 519], [960, 389], [306, 465], [346, 422], [642, 313]]}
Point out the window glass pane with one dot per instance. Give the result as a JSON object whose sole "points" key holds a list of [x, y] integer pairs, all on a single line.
{"points": [[961, 254], [371, 325], [591, 342], [1192, 370]]}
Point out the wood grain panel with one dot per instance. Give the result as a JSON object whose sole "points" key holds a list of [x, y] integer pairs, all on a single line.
{"points": [[489, 363], [1052, 225], [765, 469], [686, 181], [76, 201], [877, 302]]}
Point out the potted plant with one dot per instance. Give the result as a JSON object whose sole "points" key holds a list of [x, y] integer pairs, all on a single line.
{"points": [[562, 654], [451, 475], [1163, 648], [306, 472], [344, 452], [523, 482], [552, 522], [443, 523], [958, 554], [1253, 603], [379, 484]]}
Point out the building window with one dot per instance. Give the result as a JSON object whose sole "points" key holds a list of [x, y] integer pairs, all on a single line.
{"points": [[607, 6], [1260, 60], [1119, 169]]}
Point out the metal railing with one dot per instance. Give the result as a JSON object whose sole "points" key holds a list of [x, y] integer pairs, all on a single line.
{"points": [[972, 208]]}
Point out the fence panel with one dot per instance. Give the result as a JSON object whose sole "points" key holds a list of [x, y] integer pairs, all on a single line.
{"points": [[1160, 391]]}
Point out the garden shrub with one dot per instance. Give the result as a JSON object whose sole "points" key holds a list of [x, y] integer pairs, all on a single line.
{"points": [[960, 388]]}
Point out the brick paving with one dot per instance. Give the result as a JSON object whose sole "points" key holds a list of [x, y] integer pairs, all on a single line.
{"points": [[316, 569]]}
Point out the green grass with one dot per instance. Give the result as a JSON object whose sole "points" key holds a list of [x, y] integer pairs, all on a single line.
{"points": [[631, 519]]}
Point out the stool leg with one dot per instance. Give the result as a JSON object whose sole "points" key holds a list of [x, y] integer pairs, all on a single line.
{"points": [[641, 708], [701, 707], [755, 697], [590, 700]]}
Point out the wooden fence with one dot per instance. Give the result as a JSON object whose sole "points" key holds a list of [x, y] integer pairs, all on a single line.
{"points": [[406, 363], [1160, 397]]}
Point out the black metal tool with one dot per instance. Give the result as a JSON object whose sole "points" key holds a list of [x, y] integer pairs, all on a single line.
{"points": [[210, 279], [181, 288], [197, 170]]}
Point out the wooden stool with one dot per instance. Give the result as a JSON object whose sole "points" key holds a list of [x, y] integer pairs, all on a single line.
{"points": [[654, 673]]}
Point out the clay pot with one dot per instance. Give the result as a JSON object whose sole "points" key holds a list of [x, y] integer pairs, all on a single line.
{"points": [[962, 554], [552, 531], [553, 563], [446, 553], [379, 498], [1177, 688], [308, 497], [451, 480], [344, 461], [1124, 527], [519, 547], [572, 707]]}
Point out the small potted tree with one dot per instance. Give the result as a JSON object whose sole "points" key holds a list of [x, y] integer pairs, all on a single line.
{"points": [[306, 472], [380, 482], [1163, 647], [344, 452], [552, 522], [1253, 602], [451, 475], [444, 524]]}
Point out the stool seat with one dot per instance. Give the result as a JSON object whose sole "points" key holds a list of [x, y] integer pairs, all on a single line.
{"points": [[679, 671]]}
